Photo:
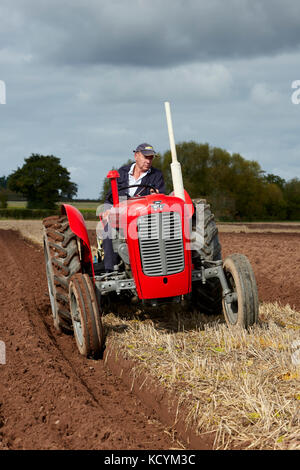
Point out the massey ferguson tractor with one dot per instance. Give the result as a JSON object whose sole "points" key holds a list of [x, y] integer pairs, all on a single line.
{"points": [[168, 251]]}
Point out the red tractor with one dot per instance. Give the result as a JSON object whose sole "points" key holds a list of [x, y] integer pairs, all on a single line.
{"points": [[168, 250]]}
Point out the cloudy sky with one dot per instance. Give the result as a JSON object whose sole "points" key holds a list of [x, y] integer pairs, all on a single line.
{"points": [[86, 81]]}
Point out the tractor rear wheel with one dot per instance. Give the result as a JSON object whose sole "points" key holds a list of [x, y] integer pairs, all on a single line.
{"points": [[206, 297], [62, 261], [87, 324], [243, 308]]}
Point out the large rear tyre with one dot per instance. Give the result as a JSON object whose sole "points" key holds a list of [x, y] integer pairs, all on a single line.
{"points": [[206, 297], [62, 261], [87, 324], [243, 308], [204, 225]]}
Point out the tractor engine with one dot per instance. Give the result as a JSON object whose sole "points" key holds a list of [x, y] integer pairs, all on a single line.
{"points": [[152, 237]]}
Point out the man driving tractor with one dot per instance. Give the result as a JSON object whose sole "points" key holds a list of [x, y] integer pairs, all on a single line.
{"points": [[168, 252], [140, 176]]}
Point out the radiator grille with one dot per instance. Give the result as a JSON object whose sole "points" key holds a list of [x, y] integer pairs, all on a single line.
{"points": [[161, 244]]}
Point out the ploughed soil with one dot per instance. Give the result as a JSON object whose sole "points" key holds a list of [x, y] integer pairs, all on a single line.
{"points": [[52, 398], [275, 259]]}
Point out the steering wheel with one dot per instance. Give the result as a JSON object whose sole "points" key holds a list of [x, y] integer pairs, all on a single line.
{"points": [[110, 199]]}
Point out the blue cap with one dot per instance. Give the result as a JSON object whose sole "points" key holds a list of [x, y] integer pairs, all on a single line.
{"points": [[145, 149]]}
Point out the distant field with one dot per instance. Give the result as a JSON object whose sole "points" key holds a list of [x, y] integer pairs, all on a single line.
{"points": [[79, 205], [18, 204], [85, 205]]}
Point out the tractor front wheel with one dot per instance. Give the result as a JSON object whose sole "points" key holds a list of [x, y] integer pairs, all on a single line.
{"points": [[241, 308], [87, 324]]}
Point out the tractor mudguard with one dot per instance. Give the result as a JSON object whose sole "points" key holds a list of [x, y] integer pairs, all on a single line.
{"points": [[77, 225]]}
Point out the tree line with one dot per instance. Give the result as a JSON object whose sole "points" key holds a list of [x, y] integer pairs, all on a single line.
{"points": [[236, 188]]}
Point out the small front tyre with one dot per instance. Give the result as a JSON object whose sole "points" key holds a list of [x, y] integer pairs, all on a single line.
{"points": [[241, 307], [87, 324]]}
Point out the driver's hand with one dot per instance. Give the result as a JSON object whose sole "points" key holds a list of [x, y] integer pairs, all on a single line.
{"points": [[152, 191]]}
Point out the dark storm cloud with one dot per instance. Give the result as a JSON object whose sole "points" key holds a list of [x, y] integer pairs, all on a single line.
{"points": [[86, 80], [157, 33]]}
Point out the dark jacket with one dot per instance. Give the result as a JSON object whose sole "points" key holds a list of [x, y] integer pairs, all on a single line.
{"points": [[154, 177]]}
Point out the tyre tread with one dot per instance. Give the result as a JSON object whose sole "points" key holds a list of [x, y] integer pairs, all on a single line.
{"points": [[208, 297], [65, 261]]}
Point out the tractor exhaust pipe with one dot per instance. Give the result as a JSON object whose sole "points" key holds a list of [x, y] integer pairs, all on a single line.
{"points": [[175, 165]]}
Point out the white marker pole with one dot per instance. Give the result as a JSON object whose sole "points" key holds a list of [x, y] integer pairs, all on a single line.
{"points": [[175, 165]]}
